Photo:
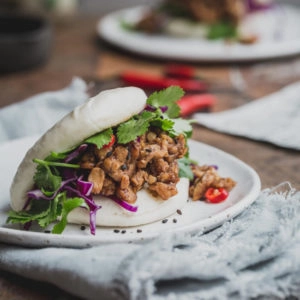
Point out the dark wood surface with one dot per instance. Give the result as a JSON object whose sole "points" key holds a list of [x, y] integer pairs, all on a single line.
{"points": [[77, 51]]}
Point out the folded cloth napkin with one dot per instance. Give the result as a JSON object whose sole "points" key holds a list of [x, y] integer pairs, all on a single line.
{"points": [[274, 118], [254, 255], [40, 112]]}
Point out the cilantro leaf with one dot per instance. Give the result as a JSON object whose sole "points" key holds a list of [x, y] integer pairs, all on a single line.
{"points": [[167, 97], [134, 127], [43, 212], [185, 170], [55, 156], [164, 123], [67, 206], [45, 179], [100, 139], [182, 126]]}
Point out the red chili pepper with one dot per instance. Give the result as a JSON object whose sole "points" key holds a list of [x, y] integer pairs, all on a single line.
{"points": [[216, 195], [144, 80], [180, 71], [192, 103], [111, 142]]}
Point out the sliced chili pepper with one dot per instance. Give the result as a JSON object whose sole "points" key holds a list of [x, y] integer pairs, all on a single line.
{"points": [[180, 71], [192, 103], [111, 142], [152, 81], [216, 195]]}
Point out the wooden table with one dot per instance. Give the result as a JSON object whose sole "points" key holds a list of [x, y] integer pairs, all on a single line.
{"points": [[77, 51]]}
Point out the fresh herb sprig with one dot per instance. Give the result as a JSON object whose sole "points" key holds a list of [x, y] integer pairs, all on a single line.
{"points": [[164, 114]]}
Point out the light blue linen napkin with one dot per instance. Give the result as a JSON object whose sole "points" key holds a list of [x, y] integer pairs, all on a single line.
{"points": [[255, 255], [274, 118], [38, 113]]}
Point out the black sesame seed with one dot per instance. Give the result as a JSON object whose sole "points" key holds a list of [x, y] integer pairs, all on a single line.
{"points": [[179, 211], [47, 231], [139, 230], [82, 227], [148, 150], [116, 230], [123, 231], [109, 153], [164, 221], [123, 167], [174, 220]]}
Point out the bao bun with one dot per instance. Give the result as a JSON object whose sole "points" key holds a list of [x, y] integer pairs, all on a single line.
{"points": [[107, 109]]}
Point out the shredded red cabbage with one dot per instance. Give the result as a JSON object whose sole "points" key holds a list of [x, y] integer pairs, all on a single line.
{"points": [[163, 108], [254, 5], [91, 204], [215, 167], [38, 194], [124, 204], [75, 153], [153, 108], [84, 187], [150, 108]]}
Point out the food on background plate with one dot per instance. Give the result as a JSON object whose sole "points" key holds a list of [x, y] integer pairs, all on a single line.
{"points": [[120, 159], [211, 19]]}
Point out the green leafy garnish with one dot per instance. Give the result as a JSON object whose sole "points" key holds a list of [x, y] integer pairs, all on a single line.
{"points": [[185, 170], [134, 127], [222, 30], [182, 125], [100, 139], [167, 97], [167, 121], [43, 212], [47, 212], [67, 206], [47, 176], [45, 179], [47, 163]]}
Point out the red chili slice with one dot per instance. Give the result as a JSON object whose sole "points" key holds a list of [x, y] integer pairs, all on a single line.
{"points": [[111, 142], [216, 195]]}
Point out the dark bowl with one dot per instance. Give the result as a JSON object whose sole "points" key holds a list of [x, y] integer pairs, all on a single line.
{"points": [[25, 42]]}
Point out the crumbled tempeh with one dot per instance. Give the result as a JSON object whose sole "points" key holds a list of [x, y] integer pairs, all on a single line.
{"points": [[206, 177]]}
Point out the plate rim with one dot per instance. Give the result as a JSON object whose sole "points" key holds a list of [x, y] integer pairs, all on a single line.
{"points": [[229, 53], [42, 239]]}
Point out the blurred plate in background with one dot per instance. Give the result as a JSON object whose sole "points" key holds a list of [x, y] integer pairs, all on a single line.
{"points": [[278, 30]]}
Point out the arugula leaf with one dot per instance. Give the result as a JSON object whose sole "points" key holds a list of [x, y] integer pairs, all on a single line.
{"points": [[167, 97], [134, 127], [100, 139], [67, 206]]}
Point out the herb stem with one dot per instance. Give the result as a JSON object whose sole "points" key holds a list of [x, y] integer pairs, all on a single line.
{"points": [[55, 164]]}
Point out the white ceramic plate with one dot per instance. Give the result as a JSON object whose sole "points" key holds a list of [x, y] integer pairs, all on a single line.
{"points": [[196, 216], [278, 32]]}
